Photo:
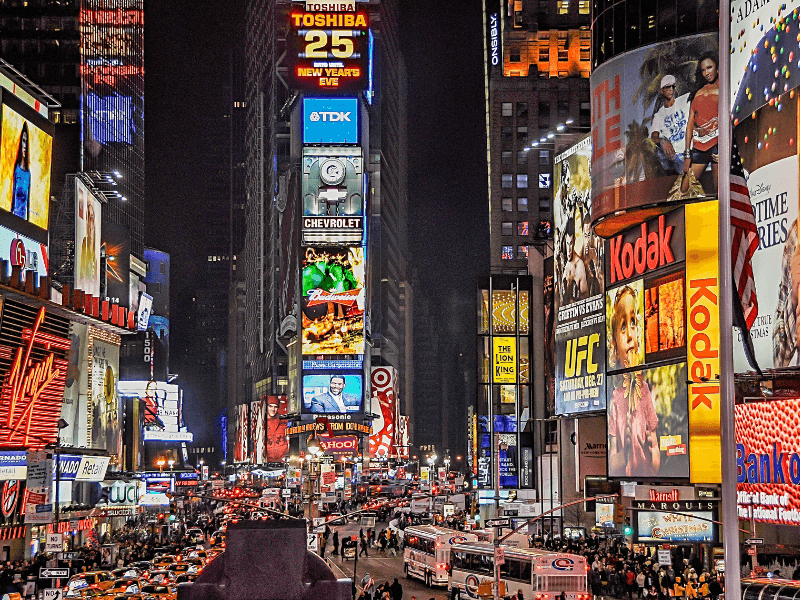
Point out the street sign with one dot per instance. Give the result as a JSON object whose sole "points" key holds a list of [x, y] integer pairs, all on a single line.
{"points": [[754, 542], [664, 558], [498, 522], [54, 543], [499, 555], [319, 524], [286, 492], [312, 542], [55, 594], [751, 551], [53, 573]]}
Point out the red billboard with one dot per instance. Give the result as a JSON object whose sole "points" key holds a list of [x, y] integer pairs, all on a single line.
{"points": [[35, 364], [277, 444], [768, 461]]}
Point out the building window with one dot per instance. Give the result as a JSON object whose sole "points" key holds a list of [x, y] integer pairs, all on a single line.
{"points": [[507, 180], [544, 115], [585, 114], [586, 52], [583, 7], [506, 228], [563, 7], [522, 134], [522, 181], [507, 253], [505, 157], [522, 228], [544, 51], [506, 109], [506, 134], [507, 204], [544, 157], [522, 204], [522, 157], [522, 110], [522, 252], [563, 110], [514, 54], [544, 206]]}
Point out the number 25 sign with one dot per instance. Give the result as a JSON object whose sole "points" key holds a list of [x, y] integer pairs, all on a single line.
{"points": [[329, 51]]}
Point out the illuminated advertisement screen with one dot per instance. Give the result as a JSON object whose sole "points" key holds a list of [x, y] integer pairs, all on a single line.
{"points": [[26, 153], [87, 240], [577, 284], [331, 121], [333, 301], [384, 382], [110, 118], [333, 196], [257, 413], [163, 415], [107, 417], [660, 527], [768, 461], [641, 128], [240, 447], [335, 393], [116, 244], [277, 444], [328, 51]]}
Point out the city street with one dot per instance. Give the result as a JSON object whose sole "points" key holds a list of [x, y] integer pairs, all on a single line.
{"points": [[381, 568]]}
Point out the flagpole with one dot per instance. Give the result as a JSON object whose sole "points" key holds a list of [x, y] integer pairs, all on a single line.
{"points": [[730, 519]]}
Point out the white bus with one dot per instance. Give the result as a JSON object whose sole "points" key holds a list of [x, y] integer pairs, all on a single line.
{"points": [[541, 575], [427, 552]]}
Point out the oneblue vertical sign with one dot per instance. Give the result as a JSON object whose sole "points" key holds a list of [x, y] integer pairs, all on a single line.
{"points": [[330, 121], [494, 38]]}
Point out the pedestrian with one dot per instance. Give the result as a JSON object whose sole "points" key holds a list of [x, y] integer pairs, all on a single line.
{"points": [[335, 543], [396, 590], [640, 581], [363, 547]]}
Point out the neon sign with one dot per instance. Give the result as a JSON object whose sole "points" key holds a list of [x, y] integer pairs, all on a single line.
{"points": [[329, 50], [32, 391]]}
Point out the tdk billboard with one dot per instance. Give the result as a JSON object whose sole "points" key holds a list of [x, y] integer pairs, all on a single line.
{"points": [[330, 121]]}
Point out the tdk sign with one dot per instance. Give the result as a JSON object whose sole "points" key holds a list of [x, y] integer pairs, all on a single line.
{"points": [[330, 121]]}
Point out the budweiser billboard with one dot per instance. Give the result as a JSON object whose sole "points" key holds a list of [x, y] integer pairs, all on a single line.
{"points": [[333, 301]]}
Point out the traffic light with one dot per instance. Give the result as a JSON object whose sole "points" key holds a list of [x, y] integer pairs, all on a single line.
{"points": [[628, 529], [171, 511]]}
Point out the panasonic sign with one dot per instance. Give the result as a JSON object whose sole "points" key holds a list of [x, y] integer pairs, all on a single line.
{"points": [[330, 121]]}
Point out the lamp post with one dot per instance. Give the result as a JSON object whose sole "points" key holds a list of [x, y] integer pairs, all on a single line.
{"points": [[160, 464], [62, 424]]}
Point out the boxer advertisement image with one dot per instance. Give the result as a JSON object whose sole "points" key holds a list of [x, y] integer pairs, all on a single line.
{"points": [[578, 283]]}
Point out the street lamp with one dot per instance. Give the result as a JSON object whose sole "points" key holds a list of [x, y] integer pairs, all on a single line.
{"points": [[160, 464]]}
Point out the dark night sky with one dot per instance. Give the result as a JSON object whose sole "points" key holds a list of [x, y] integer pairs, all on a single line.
{"points": [[186, 46]]}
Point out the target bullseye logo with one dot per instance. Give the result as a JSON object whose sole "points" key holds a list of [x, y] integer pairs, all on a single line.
{"points": [[564, 564], [9, 499], [471, 584]]}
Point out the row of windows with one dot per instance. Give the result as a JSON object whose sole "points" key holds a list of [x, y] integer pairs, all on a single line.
{"points": [[507, 228], [421, 544], [562, 112], [519, 570], [507, 204], [507, 252], [39, 23], [622, 26]]}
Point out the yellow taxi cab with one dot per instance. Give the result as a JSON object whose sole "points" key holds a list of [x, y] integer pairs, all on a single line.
{"points": [[98, 580], [160, 592]]}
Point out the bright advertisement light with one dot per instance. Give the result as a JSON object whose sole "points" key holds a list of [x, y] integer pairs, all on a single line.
{"points": [[164, 403]]}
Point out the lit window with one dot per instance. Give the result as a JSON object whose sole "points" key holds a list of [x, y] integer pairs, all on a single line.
{"points": [[505, 157], [522, 181], [522, 157], [522, 228], [507, 109], [507, 180], [544, 157], [507, 228], [522, 251], [583, 7], [522, 204], [563, 7], [507, 204], [507, 253]]}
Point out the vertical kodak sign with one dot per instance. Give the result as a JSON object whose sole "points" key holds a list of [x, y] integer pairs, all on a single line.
{"points": [[702, 303], [504, 359]]}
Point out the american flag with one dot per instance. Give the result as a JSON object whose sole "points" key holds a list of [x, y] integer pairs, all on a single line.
{"points": [[745, 241]]}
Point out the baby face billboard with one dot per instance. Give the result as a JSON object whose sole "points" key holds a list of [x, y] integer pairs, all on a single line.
{"points": [[87, 240], [649, 107], [578, 288], [333, 301]]}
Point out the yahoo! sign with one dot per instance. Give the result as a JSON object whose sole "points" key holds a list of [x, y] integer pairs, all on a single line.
{"points": [[345, 444]]}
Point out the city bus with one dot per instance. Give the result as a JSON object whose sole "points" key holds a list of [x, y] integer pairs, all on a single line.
{"points": [[541, 575], [764, 588], [427, 552]]}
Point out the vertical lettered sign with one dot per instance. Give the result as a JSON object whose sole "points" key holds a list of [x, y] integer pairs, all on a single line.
{"points": [[504, 359]]}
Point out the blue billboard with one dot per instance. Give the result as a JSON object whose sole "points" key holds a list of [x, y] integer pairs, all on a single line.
{"points": [[331, 121], [110, 117]]}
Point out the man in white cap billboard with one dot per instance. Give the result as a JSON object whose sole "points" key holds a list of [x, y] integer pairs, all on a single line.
{"points": [[668, 130]]}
